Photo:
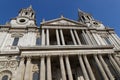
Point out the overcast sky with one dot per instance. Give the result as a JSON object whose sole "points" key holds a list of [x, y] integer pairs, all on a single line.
{"points": [[106, 11]]}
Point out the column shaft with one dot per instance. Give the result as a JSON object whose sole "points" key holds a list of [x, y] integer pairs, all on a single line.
{"points": [[68, 68], [106, 68], [85, 74], [100, 68], [62, 37], [73, 37], [27, 69], [47, 36], [88, 68], [62, 67], [49, 74], [43, 37], [42, 69], [86, 38], [58, 37], [117, 60], [77, 37], [96, 38], [115, 64]]}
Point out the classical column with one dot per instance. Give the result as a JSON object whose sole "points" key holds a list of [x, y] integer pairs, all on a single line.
{"points": [[117, 40], [86, 38], [49, 74], [89, 68], [27, 69], [77, 37], [83, 68], [100, 39], [73, 37], [21, 70], [96, 38], [91, 38], [42, 69], [106, 68], [47, 36], [68, 68], [100, 68], [58, 37], [115, 64], [43, 37], [62, 67], [117, 60], [62, 37]]}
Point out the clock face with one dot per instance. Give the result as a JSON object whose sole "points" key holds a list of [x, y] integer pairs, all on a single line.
{"points": [[22, 20]]}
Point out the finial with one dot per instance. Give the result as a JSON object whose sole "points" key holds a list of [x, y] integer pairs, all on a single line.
{"points": [[62, 16], [79, 10], [30, 6]]}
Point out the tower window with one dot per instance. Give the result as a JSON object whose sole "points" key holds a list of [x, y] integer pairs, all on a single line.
{"points": [[15, 42], [5, 77], [32, 14], [83, 18], [38, 41], [26, 13]]}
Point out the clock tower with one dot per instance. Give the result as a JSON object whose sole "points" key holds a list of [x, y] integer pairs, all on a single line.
{"points": [[25, 18]]}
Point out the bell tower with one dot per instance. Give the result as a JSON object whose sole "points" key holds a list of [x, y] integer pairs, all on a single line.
{"points": [[87, 18], [25, 18]]}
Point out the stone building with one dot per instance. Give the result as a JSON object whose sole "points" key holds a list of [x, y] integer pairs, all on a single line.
{"points": [[60, 49]]}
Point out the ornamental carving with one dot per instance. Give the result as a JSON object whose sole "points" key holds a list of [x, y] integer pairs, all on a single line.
{"points": [[8, 64]]}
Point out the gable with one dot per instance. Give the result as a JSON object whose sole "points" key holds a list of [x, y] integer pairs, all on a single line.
{"points": [[63, 21]]}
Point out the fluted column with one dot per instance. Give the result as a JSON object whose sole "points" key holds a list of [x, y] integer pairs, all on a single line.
{"points": [[114, 63], [47, 36], [117, 40], [68, 68], [43, 37], [96, 38], [62, 67], [27, 69], [42, 69], [73, 37], [117, 60], [21, 70], [100, 68], [62, 37], [77, 37], [89, 68], [91, 38], [86, 38], [85, 74], [100, 39], [58, 37], [106, 68], [49, 74]]}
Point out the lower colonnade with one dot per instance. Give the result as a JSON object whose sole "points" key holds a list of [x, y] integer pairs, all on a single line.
{"points": [[69, 67]]}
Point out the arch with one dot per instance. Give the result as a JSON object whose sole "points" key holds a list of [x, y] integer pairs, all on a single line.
{"points": [[5, 75]]}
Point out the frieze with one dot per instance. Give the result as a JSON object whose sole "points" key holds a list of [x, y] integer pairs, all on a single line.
{"points": [[8, 64]]}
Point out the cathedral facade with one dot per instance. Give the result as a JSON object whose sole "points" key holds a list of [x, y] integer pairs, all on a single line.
{"points": [[60, 49]]}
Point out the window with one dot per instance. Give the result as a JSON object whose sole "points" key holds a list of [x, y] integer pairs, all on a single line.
{"points": [[35, 76], [38, 41], [83, 18], [5, 77], [15, 42], [26, 13]]}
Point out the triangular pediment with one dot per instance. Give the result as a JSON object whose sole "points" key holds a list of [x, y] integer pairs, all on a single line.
{"points": [[63, 21]]}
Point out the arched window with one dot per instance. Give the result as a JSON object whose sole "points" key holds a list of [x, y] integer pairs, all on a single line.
{"points": [[35, 76], [5, 77]]}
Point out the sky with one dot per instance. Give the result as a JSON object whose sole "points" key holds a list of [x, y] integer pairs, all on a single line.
{"points": [[105, 11]]}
